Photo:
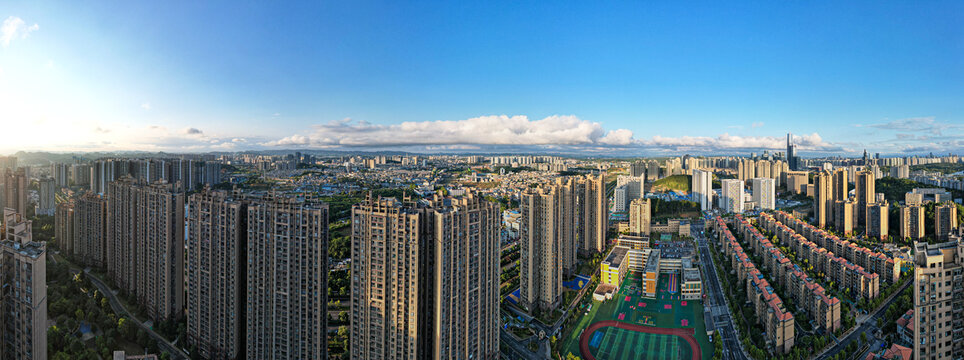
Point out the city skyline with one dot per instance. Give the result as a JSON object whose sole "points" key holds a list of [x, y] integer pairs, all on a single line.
{"points": [[629, 79]]}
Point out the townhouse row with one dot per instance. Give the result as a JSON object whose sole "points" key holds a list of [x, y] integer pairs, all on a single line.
{"points": [[777, 321], [888, 268], [845, 274], [809, 295]]}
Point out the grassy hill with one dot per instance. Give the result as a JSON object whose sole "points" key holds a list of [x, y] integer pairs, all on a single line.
{"points": [[675, 182], [894, 188]]}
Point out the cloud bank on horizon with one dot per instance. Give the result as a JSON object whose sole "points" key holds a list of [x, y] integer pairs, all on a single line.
{"points": [[557, 132]]}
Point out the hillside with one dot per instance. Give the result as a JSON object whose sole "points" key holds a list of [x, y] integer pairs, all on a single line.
{"points": [[943, 168], [676, 182], [894, 188]]}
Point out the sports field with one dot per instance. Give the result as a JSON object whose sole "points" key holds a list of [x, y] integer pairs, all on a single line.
{"points": [[630, 326]]}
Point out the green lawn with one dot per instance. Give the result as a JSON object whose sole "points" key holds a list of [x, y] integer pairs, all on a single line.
{"points": [[652, 312], [637, 345]]}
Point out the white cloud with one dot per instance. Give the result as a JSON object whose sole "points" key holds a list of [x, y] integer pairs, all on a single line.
{"points": [[756, 124], [926, 124], [483, 130], [726, 141], [192, 132], [146, 106], [15, 28]]}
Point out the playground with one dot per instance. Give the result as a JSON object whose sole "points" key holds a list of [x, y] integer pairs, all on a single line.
{"points": [[632, 327]]}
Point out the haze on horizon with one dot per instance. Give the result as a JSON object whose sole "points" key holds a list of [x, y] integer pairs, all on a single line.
{"points": [[628, 78]]}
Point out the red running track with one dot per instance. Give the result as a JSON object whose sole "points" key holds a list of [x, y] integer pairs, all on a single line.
{"points": [[686, 334]]}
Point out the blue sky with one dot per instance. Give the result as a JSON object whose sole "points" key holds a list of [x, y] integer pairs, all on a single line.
{"points": [[616, 77]]}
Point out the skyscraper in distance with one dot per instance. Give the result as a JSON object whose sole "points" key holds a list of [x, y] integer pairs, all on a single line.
{"points": [[912, 222], [15, 190], [945, 220], [702, 189], [46, 195], [639, 217], [731, 195], [764, 193], [865, 192], [823, 198]]}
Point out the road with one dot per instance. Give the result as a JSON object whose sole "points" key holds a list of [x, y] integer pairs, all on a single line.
{"points": [[716, 303], [119, 308], [869, 323], [516, 349]]}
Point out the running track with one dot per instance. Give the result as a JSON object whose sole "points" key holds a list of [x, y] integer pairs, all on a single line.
{"points": [[686, 334]]}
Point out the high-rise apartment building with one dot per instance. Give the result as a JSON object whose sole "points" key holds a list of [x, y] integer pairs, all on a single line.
{"points": [[652, 170], [938, 299], [912, 222], [287, 279], [797, 181], [900, 171], [595, 213], [541, 267], [762, 170], [145, 244], [79, 175], [746, 169], [731, 196], [638, 169], [634, 186], [425, 278], [843, 216], [640, 217], [15, 190], [764, 193], [865, 193], [777, 169], [215, 274], [568, 202], [877, 219], [8, 162], [90, 230], [24, 296], [945, 220], [620, 198], [64, 228], [61, 174], [823, 198], [841, 185], [46, 196], [702, 189], [248, 294]]}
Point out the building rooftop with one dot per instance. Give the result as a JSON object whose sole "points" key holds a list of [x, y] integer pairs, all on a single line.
{"points": [[31, 249], [616, 256], [691, 274], [652, 262]]}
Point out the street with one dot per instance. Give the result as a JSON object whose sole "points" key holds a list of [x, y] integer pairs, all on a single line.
{"points": [[869, 325], [716, 302]]}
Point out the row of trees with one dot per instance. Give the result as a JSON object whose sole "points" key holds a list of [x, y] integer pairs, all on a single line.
{"points": [[75, 304], [747, 323]]}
